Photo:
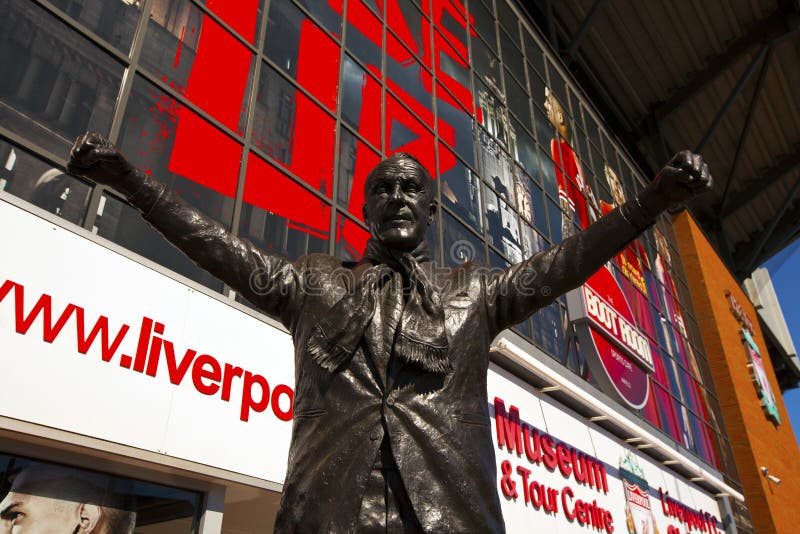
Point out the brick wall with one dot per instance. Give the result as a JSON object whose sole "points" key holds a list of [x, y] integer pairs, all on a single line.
{"points": [[755, 439]]}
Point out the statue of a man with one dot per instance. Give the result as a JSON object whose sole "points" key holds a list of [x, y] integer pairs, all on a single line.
{"points": [[391, 424]]}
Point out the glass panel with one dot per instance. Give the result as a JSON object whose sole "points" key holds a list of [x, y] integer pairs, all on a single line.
{"points": [[483, 22], [409, 75], [40, 493], [460, 190], [491, 113], [538, 208], [405, 20], [329, 14], [533, 53], [356, 160], [512, 57], [189, 50], [112, 20], [243, 16], [54, 84], [194, 158], [502, 226], [455, 126], [364, 34], [460, 245], [24, 175], [291, 128], [548, 330], [281, 216], [303, 51], [507, 19], [496, 167], [350, 239], [360, 94], [559, 223], [487, 65], [517, 99]]}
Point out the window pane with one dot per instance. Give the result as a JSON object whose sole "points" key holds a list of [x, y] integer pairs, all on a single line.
{"points": [[54, 84], [351, 239], [279, 215], [303, 51], [405, 20], [460, 245], [330, 18], [455, 125], [125, 504], [360, 92], [113, 20], [409, 75], [460, 190], [512, 57], [356, 160], [24, 175], [243, 16], [483, 22], [193, 157], [295, 131], [192, 52], [486, 64], [517, 99], [502, 226], [364, 34]]}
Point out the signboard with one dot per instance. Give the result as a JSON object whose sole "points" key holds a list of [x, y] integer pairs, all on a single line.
{"points": [[564, 476], [755, 362], [618, 354], [95, 343]]}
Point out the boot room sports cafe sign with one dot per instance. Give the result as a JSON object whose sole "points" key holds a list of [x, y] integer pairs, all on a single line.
{"points": [[618, 354]]}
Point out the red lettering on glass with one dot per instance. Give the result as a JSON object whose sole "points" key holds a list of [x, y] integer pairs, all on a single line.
{"points": [[241, 15]]}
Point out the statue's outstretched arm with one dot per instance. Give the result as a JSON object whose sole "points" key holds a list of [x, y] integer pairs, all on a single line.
{"points": [[270, 282], [516, 293]]}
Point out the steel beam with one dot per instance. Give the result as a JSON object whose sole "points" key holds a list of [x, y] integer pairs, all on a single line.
{"points": [[765, 31], [734, 94], [766, 234], [755, 187], [748, 122], [580, 35]]}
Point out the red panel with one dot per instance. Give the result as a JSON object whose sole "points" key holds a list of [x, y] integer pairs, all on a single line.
{"points": [[366, 159], [219, 74], [367, 23], [318, 64], [241, 15], [268, 188], [355, 237], [203, 154], [313, 145]]}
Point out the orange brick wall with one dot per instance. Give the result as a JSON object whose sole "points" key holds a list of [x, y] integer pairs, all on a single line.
{"points": [[755, 440]]}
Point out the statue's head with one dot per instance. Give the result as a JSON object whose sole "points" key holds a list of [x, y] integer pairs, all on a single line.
{"points": [[398, 204]]}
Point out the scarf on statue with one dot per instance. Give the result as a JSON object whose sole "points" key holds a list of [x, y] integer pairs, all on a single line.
{"points": [[420, 339]]}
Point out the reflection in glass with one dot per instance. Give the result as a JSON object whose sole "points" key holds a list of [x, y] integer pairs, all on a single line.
{"points": [[54, 84], [295, 131], [279, 215], [359, 87], [303, 51], [460, 191], [364, 34], [27, 177], [191, 52], [330, 19], [486, 65], [408, 74], [405, 20], [502, 227], [460, 245], [455, 123], [484, 23], [42, 493], [356, 160], [517, 99], [112, 20], [512, 57]]}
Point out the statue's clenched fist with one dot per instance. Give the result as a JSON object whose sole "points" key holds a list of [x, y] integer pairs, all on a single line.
{"points": [[684, 177], [95, 158]]}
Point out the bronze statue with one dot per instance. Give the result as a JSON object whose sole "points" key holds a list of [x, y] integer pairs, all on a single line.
{"points": [[391, 423]]}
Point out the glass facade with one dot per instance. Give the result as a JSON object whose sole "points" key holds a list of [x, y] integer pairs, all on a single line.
{"points": [[268, 120], [45, 497]]}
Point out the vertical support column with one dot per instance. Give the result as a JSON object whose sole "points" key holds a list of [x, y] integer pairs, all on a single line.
{"points": [[214, 506]]}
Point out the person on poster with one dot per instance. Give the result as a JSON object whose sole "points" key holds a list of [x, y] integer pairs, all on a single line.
{"points": [[391, 423], [53, 499], [576, 198]]}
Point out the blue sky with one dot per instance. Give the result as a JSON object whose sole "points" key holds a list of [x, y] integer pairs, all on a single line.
{"points": [[784, 269]]}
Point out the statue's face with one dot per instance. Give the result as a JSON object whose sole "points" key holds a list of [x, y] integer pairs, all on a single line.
{"points": [[399, 203]]}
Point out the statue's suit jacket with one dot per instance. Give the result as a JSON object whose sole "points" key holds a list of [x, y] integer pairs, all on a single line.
{"points": [[438, 425]]}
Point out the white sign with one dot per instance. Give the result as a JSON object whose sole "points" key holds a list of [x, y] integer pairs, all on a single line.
{"points": [[94, 343], [564, 476]]}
